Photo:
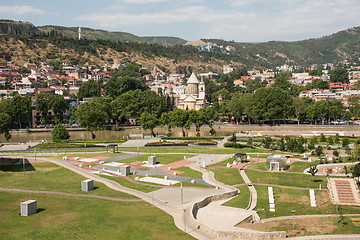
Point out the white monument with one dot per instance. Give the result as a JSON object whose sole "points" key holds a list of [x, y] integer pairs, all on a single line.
{"points": [[28, 208]]}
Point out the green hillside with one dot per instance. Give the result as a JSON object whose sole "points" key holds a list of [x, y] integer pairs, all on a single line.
{"points": [[90, 33], [336, 47]]}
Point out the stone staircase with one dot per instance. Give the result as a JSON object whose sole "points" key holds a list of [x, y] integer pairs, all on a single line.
{"points": [[344, 191]]}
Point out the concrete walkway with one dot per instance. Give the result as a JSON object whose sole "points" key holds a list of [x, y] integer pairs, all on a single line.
{"points": [[133, 143], [221, 143], [329, 237], [176, 213], [253, 193]]}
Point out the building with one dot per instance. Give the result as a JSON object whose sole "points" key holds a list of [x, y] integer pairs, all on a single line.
{"points": [[194, 98]]}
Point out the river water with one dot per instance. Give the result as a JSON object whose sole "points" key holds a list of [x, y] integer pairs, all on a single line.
{"points": [[221, 130]]}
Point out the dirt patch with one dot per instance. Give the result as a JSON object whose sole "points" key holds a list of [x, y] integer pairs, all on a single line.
{"points": [[302, 226], [47, 169], [284, 197]]}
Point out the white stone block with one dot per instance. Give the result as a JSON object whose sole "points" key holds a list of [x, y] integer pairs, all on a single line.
{"points": [[28, 208], [169, 168], [87, 185], [192, 181], [165, 177], [175, 173]]}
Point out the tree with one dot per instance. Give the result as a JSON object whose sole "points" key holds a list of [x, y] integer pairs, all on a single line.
{"points": [[166, 120], [90, 89], [117, 86], [60, 132], [59, 106], [301, 106], [91, 115], [72, 118], [322, 138], [42, 103], [319, 150], [179, 118], [5, 124], [148, 121], [198, 118], [313, 170], [272, 103], [21, 106], [267, 141], [339, 75], [336, 153], [211, 116], [233, 138], [356, 171], [345, 141], [236, 107]]}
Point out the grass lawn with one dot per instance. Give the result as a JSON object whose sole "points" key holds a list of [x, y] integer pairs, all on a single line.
{"points": [[286, 179], [90, 155], [188, 172], [62, 217], [223, 163], [287, 199], [307, 226], [230, 176], [259, 166], [125, 183], [47, 176], [199, 150], [240, 201], [160, 158], [301, 166]]}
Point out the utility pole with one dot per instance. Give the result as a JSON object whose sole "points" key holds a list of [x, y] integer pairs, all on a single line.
{"points": [[320, 195], [293, 212], [24, 165]]}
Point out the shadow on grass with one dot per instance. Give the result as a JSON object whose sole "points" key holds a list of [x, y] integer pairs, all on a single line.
{"points": [[15, 165], [316, 180]]}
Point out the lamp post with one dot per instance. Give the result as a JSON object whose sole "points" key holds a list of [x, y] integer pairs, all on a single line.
{"points": [[293, 212], [184, 219]]}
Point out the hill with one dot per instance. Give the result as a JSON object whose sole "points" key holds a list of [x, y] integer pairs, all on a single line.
{"points": [[343, 45], [22, 41], [93, 34]]}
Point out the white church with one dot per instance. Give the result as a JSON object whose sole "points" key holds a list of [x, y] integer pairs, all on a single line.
{"points": [[194, 98]]}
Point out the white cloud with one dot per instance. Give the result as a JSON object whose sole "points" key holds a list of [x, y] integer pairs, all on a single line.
{"points": [[264, 20], [143, 1], [20, 10]]}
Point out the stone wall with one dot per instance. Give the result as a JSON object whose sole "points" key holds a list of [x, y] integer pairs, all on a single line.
{"points": [[191, 217]]}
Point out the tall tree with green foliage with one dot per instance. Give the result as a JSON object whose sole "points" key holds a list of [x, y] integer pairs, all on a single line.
{"points": [[43, 104], [59, 107], [149, 121], [91, 115], [180, 118], [119, 85], [21, 106], [339, 75], [90, 89]]}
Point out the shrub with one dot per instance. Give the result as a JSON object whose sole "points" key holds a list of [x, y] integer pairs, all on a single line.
{"points": [[60, 132]]}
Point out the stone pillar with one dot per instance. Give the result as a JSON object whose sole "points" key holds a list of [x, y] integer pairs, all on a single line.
{"points": [[28, 208], [87, 185]]}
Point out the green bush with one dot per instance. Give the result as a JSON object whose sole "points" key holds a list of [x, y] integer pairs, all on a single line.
{"points": [[60, 132], [236, 145]]}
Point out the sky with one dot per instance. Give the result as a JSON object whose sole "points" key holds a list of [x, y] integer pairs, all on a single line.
{"points": [[238, 20]]}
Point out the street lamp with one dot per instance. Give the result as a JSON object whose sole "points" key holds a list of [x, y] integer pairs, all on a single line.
{"points": [[293, 212]]}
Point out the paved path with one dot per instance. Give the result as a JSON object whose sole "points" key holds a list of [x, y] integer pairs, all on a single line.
{"points": [[72, 195], [221, 143], [329, 237], [123, 157], [176, 213], [253, 193], [302, 216], [133, 143]]}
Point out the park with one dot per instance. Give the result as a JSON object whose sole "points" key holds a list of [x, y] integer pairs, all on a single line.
{"points": [[261, 184]]}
